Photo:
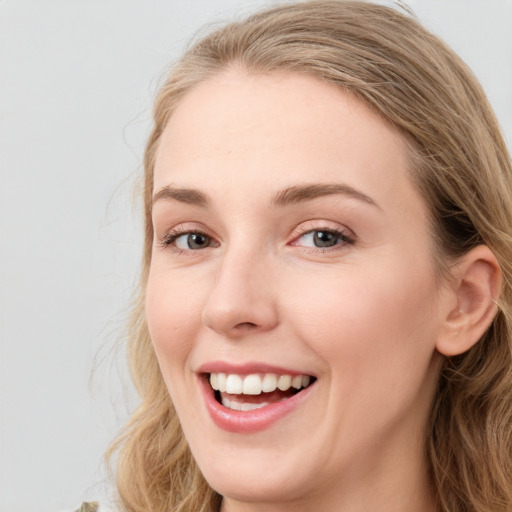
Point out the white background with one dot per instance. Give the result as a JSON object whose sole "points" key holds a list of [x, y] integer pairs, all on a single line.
{"points": [[76, 82]]}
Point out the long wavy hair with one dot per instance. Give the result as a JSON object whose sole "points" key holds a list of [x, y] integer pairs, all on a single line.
{"points": [[460, 164]]}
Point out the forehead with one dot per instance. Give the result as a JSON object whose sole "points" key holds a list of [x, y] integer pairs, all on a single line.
{"points": [[276, 130]]}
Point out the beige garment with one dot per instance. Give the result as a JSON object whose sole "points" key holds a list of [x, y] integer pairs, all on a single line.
{"points": [[88, 507]]}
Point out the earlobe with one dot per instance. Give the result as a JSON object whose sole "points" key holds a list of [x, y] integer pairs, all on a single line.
{"points": [[472, 308]]}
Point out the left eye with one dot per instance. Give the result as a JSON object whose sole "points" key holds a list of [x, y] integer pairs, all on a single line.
{"points": [[322, 238]]}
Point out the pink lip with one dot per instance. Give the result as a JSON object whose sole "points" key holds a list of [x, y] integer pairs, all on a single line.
{"points": [[247, 422], [246, 368]]}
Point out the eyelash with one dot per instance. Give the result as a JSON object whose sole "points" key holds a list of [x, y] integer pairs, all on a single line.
{"points": [[340, 234], [169, 239], [343, 239]]}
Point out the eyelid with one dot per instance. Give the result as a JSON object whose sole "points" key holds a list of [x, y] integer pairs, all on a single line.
{"points": [[321, 225]]}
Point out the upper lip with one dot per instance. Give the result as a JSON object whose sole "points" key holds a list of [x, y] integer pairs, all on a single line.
{"points": [[248, 368]]}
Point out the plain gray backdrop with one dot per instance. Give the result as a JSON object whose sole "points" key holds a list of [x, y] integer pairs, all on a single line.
{"points": [[76, 82]]}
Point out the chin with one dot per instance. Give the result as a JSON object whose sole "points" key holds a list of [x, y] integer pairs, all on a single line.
{"points": [[256, 484]]}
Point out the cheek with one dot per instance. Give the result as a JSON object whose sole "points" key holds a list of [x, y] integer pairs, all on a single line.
{"points": [[172, 309], [174, 304], [369, 326], [376, 336]]}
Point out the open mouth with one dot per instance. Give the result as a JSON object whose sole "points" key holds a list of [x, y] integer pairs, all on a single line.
{"points": [[257, 390]]}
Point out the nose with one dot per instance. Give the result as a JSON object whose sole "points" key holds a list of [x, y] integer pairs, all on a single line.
{"points": [[241, 300]]}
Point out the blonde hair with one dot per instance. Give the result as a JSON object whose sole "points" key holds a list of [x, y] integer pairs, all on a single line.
{"points": [[460, 164]]}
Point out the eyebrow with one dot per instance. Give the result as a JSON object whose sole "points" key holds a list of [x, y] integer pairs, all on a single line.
{"points": [[183, 195], [290, 195], [298, 194]]}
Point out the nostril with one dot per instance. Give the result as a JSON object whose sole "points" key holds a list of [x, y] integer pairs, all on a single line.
{"points": [[246, 325]]}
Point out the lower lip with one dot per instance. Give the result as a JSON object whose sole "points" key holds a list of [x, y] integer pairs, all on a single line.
{"points": [[247, 422]]}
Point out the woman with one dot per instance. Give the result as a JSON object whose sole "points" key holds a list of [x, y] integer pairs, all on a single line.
{"points": [[323, 321]]}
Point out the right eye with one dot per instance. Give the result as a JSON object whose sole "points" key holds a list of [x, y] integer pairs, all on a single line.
{"points": [[192, 241], [188, 241]]}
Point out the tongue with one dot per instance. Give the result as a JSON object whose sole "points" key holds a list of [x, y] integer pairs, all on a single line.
{"points": [[274, 396]]}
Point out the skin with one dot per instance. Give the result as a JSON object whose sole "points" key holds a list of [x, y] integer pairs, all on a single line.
{"points": [[363, 317]]}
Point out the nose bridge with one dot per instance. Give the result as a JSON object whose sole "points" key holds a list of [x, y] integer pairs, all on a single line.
{"points": [[241, 298]]}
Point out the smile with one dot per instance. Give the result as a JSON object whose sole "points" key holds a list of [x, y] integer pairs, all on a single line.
{"points": [[243, 401], [239, 392]]}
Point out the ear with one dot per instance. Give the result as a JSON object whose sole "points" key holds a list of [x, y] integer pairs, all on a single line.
{"points": [[471, 304]]}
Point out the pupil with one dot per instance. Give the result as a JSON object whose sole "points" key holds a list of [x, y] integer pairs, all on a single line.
{"points": [[325, 239], [197, 241]]}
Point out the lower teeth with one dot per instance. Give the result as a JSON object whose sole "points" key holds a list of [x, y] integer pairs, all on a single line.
{"points": [[242, 406]]}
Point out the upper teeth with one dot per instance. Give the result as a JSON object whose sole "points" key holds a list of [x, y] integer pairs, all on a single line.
{"points": [[255, 383]]}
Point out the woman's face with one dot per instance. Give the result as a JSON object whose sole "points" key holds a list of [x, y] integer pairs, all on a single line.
{"points": [[291, 247]]}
